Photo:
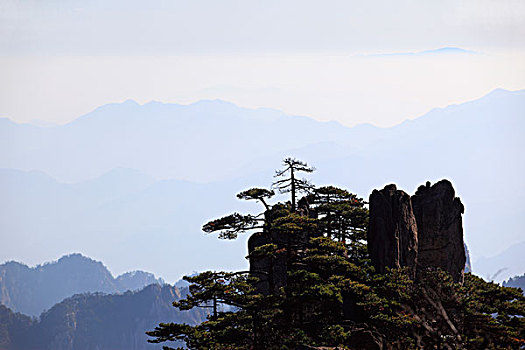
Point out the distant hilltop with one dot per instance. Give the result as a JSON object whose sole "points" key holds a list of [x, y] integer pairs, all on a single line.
{"points": [[439, 51]]}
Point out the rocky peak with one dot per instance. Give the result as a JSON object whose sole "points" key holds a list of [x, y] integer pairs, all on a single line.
{"points": [[392, 237], [422, 231], [440, 228]]}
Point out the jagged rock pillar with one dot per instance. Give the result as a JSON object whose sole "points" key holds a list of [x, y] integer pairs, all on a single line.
{"points": [[392, 235], [440, 228]]}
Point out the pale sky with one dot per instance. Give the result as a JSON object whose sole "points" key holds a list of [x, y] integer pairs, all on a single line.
{"points": [[60, 59]]}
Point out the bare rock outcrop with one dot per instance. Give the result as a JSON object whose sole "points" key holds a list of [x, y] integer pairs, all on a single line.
{"points": [[419, 232], [260, 267], [440, 228], [392, 236]]}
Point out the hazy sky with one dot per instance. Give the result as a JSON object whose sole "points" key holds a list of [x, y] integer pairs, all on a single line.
{"points": [[62, 58]]}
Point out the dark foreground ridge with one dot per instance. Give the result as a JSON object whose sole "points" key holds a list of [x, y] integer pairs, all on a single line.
{"points": [[326, 272]]}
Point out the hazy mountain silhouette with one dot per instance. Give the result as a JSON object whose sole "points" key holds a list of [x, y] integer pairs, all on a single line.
{"points": [[31, 290], [130, 220], [433, 52], [163, 140], [502, 266]]}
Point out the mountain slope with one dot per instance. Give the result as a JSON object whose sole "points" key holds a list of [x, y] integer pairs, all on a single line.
{"points": [[516, 282], [97, 321], [13, 326]]}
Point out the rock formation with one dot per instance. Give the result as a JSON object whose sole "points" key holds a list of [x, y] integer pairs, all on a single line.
{"points": [[272, 270], [261, 267], [422, 231], [440, 228], [392, 237], [418, 232]]}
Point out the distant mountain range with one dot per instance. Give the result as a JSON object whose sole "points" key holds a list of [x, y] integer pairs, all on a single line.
{"points": [[86, 308], [31, 290], [95, 185], [96, 321], [516, 282], [198, 142], [434, 52]]}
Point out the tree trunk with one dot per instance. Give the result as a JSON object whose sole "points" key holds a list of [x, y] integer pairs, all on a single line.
{"points": [[293, 189]]}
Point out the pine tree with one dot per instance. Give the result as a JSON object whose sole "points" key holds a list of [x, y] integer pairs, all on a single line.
{"points": [[292, 184], [342, 216]]}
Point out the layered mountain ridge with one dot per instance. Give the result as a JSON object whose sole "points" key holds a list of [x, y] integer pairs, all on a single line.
{"points": [[209, 150], [31, 290], [96, 321]]}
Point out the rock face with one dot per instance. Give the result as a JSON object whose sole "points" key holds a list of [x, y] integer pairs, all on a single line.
{"points": [[440, 228], [261, 267], [422, 231], [392, 237], [272, 271]]}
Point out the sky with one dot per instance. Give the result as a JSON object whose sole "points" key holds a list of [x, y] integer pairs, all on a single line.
{"points": [[350, 61]]}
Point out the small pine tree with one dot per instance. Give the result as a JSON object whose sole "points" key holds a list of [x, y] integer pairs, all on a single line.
{"points": [[292, 184]]}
